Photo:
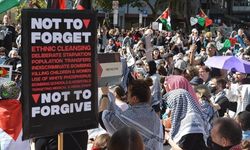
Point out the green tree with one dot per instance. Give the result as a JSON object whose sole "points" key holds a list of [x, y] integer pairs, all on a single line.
{"points": [[156, 7]]}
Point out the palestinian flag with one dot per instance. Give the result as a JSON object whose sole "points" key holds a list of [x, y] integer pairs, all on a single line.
{"points": [[203, 19], [11, 126], [201, 14], [165, 19], [8, 4]]}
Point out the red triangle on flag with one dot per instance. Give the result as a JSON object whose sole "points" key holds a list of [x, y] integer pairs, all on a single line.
{"points": [[35, 97], [165, 14], [86, 22], [11, 117]]}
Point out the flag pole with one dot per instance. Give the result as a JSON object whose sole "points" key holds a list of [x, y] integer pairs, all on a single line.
{"points": [[161, 14], [203, 13], [60, 141]]}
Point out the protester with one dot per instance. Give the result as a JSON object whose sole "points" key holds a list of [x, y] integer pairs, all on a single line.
{"points": [[110, 48], [175, 57], [239, 39], [127, 41], [179, 82], [196, 81], [204, 74], [247, 38], [225, 134], [240, 91], [156, 87], [219, 99], [169, 63], [194, 39], [10, 34], [208, 38], [101, 142], [243, 119], [3, 57], [139, 115], [11, 118], [156, 54], [203, 94], [188, 125]]}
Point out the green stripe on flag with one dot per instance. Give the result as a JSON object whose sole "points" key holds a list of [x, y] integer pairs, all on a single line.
{"points": [[8, 4], [166, 24]]}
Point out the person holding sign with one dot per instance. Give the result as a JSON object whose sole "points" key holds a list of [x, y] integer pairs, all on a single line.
{"points": [[139, 115]]}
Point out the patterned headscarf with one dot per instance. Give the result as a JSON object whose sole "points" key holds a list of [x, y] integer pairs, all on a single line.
{"points": [[180, 82], [186, 115], [9, 90]]}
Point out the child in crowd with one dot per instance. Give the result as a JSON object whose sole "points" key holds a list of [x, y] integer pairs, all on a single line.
{"points": [[243, 118], [204, 94], [101, 142]]}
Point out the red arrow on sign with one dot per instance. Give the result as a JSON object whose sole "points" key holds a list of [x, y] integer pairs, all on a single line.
{"points": [[86, 23], [99, 71], [35, 97]]}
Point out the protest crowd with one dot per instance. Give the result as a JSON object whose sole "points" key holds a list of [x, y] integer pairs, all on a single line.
{"points": [[172, 91]]}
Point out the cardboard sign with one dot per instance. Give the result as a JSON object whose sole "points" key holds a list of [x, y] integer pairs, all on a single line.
{"points": [[59, 71], [155, 25], [109, 69], [160, 26], [130, 58]]}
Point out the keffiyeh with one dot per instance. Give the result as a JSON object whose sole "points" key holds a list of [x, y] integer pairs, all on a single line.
{"points": [[187, 116]]}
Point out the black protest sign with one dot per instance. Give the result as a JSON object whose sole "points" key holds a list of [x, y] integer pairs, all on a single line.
{"points": [[59, 91]]}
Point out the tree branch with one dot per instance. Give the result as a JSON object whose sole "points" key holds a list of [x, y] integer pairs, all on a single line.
{"points": [[150, 6]]}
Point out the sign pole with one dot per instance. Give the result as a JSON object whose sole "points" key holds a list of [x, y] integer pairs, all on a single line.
{"points": [[115, 6], [32, 145], [60, 141]]}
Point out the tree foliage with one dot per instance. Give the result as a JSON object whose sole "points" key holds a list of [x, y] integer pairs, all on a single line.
{"points": [[30, 4], [156, 6]]}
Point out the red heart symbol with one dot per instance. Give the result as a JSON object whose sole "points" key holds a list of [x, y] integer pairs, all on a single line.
{"points": [[208, 22]]}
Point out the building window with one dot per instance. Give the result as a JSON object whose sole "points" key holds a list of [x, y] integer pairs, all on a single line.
{"points": [[241, 2]]}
